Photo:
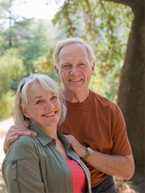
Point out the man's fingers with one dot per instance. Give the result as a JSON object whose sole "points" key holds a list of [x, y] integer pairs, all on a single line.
{"points": [[9, 141], [33, 134], [14, 132], [20, 132], [26, 133], [11, 137], [70, 138]]}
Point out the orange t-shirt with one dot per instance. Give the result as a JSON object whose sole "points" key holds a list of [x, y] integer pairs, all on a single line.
{"points": [[99, 124]]}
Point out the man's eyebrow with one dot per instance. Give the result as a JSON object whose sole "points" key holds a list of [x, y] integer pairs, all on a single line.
{"points": [[66, 63]]}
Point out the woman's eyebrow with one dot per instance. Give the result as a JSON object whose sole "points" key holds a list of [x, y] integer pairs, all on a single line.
{"points": [[37, 97]]}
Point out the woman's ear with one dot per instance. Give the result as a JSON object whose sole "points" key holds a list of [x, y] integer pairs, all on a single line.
{"points": [[25, 111]]}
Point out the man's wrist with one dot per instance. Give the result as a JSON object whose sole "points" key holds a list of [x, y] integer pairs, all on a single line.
{"points": [[88, 152]]}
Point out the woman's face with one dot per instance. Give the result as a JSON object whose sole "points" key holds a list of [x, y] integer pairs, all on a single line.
{"points": [[43, 106]]}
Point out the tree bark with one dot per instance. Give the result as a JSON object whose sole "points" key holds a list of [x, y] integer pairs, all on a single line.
{"points": [[131, 96]]}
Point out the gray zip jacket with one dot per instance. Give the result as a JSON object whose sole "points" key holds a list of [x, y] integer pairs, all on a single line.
{"points": [[35, 166]]}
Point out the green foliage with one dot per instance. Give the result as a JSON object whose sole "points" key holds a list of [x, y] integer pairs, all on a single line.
{"points": [[11, 69], [32, 40], [6, 105], [105, 26], [24, 45], [44, 64]]}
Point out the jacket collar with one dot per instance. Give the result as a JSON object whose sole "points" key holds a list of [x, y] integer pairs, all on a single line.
{"points": [[65, 142], [45, 140], [41, 135]]}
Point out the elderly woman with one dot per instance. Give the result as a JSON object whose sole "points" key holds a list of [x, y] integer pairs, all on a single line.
{"points": [[47, 163]]}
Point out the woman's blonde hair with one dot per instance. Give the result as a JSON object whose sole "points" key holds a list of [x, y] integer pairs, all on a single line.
{"points": [[22, 95]]}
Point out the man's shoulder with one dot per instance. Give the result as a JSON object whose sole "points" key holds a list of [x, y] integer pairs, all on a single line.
{"points": [[102, 104], [101, 100], [106, 108]]}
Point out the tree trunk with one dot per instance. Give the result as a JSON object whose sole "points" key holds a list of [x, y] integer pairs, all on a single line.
{"points": [[131, 96]]}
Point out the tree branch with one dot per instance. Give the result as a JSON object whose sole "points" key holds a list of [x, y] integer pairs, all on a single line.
{"points": [[129, 3]]}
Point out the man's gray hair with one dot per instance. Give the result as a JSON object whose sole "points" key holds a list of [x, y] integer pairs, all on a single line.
{"points": [[62, 43], [22, 95]]}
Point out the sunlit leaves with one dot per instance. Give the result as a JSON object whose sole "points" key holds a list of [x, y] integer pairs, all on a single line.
{"points": [[11, 69], [105, 26]]}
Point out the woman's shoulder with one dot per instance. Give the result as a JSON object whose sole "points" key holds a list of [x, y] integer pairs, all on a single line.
{"points": [[24, 147], [24, 142]]}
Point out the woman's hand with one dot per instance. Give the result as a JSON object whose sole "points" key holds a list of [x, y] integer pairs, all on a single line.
{"points": [[14, 132]]}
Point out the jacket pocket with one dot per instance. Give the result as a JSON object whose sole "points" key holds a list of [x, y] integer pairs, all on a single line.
{"points": [[10, 176]]}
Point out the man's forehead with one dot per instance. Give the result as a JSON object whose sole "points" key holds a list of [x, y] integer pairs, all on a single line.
{"points": [[73, 49]]}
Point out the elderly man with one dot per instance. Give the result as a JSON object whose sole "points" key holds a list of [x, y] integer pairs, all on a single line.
{"points": [[95, 126]]}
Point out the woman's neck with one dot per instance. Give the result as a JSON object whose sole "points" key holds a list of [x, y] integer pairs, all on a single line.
{"points": [[51, 133]]}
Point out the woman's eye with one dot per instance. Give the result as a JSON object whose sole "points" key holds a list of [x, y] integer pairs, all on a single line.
{"points": [[38, 102], [54, 97]]}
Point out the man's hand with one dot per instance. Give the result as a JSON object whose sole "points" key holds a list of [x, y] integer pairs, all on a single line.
{"points": [[14, 132], [114, 165], [78, 148]]}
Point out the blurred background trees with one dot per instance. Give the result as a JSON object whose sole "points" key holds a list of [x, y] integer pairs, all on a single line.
{"points": [[95, 21], [105, 26], [26, 46]]}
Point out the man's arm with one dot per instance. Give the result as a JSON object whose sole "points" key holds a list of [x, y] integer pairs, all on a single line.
{"points": [[13, 134], [114, 165]]}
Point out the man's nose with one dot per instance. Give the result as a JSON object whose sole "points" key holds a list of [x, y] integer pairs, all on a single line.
{"points": [[74, 70]]}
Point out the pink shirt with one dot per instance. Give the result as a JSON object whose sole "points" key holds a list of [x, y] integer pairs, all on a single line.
{"points": [[78, 177]]}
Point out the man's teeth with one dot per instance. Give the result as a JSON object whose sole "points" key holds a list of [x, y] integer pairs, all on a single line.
{"points": [[75, 80]]}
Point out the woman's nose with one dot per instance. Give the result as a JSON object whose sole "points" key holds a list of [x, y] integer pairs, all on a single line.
{"points": [[49, 106]]}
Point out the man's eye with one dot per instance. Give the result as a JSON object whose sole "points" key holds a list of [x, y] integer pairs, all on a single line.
{"points": [[82, 65], [66, 66]]}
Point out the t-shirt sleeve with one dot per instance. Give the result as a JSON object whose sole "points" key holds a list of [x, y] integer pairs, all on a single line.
{"points": [[121, 144]]}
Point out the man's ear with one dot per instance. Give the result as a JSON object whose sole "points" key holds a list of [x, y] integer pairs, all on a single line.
{"points": [[93, 67], [56, 68]]}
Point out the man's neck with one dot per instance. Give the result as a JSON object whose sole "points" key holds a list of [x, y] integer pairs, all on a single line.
{"points": [[75, 97]]}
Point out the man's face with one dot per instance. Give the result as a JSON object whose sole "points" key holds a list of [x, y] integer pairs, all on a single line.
{"points": [[74, 67]]}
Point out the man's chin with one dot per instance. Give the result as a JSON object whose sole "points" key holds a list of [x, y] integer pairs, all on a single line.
{"points": [[74, 86]]}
